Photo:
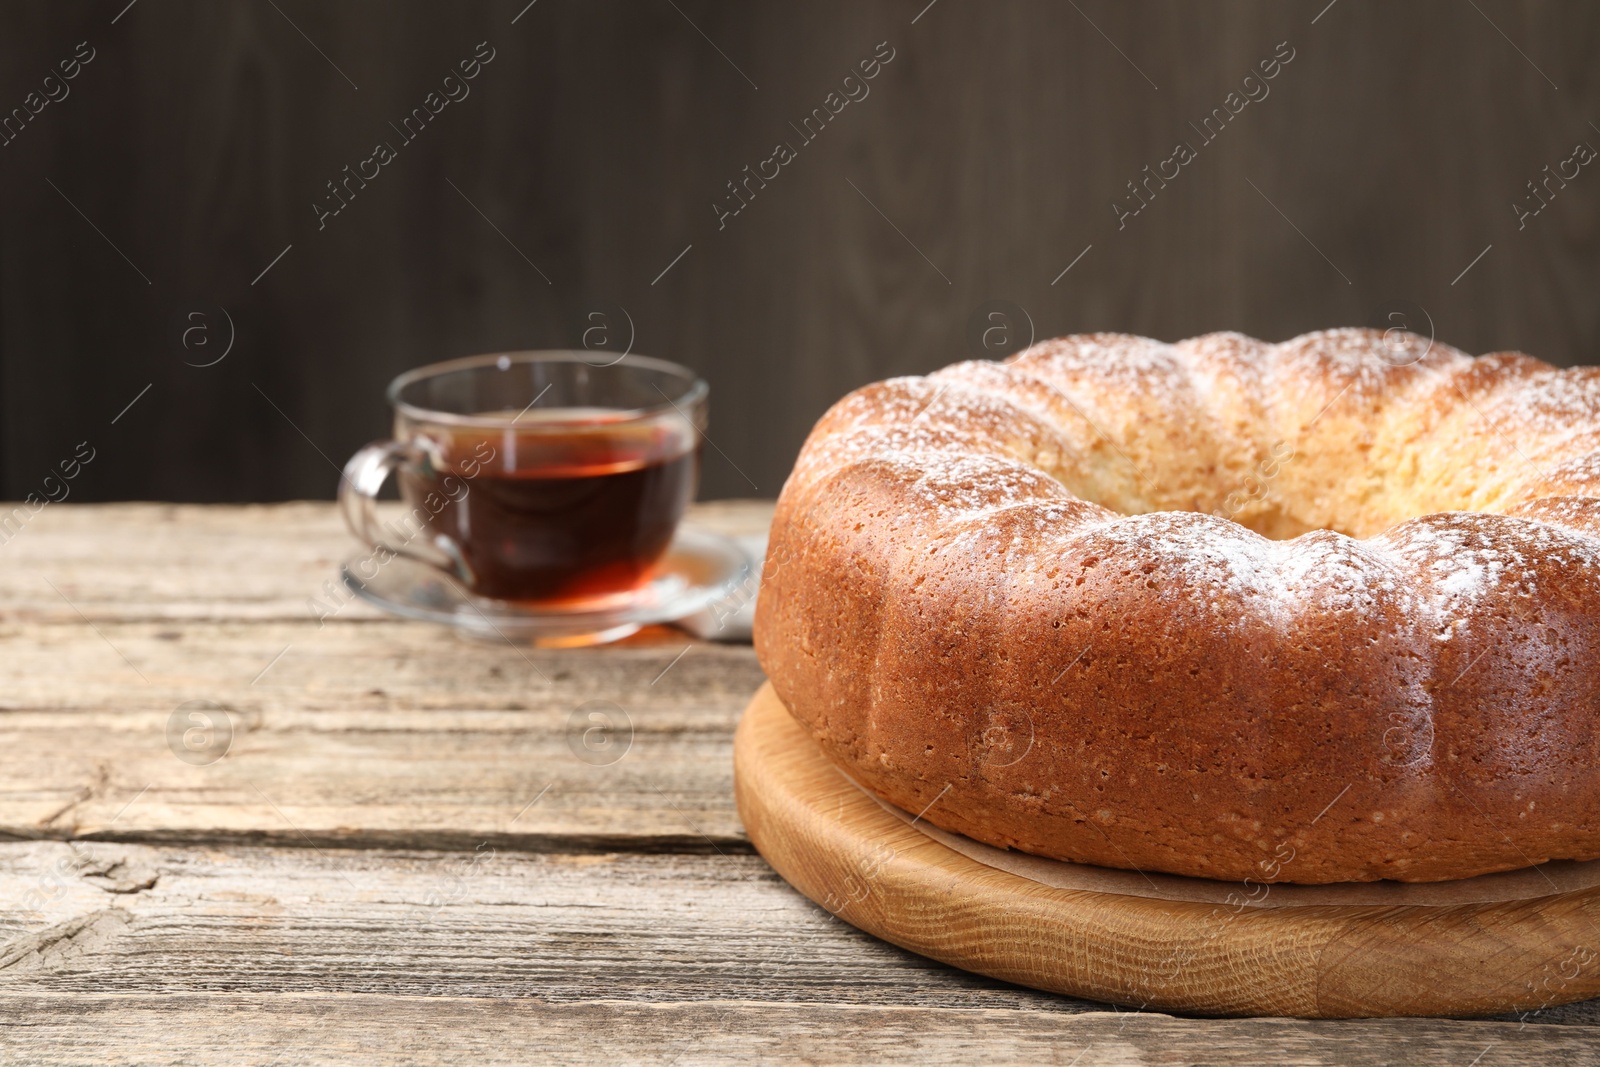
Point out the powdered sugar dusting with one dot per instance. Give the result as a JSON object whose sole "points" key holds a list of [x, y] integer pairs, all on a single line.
{"points": [[1137, 369], [1178, 665], [1342, 573], [969, 441], [1206, 560], [1555, 404], [1464, 556]]}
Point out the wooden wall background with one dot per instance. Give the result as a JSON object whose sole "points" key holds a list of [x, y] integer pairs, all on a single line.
{"points": [[1383, 162]]}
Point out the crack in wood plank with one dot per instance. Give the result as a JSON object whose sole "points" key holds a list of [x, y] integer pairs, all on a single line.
{"points": [[102, 778], [57, 943], [120, 875]]}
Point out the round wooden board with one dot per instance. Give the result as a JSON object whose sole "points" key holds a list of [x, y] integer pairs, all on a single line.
{"points": [[844, 851]]}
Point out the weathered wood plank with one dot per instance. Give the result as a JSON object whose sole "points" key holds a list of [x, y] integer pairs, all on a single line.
{"points": [[216, 954], [101, 917], [363, 730], [385, 732], [363, 1029], [127, 562]]}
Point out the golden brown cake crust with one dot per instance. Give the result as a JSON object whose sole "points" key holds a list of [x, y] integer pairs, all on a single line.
{"points": [[1035, 599]]}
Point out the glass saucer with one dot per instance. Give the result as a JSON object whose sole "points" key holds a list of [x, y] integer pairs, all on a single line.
{"points": [[698, 569]]}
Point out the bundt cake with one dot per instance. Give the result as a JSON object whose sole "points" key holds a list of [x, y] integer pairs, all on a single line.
{"points": [[1316, 611]]}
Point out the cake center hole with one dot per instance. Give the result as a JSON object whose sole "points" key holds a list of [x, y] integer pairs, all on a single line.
{"points": [[1281, 497]]}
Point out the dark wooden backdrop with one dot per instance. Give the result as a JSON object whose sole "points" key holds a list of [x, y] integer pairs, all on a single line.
{"points": [[1384, 161]]}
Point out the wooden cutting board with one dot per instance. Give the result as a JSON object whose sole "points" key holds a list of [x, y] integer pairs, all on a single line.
{"points": [[839, 847]]}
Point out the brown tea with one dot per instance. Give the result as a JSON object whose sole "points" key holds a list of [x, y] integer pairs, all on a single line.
{"points": [[556, 516]]}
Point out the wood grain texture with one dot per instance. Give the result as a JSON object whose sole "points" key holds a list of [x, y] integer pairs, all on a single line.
{"points": [[174, 954], [90, 917], [839, 847], [360, 879], [1388, 153], [360, 731], [137, 563], [361, 1030]]}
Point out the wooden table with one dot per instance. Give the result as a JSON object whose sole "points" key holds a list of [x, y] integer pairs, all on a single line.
{"points": [[402, 855]]}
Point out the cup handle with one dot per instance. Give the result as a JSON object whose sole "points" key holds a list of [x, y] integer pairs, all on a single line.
{"points": [[363, 476]]}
